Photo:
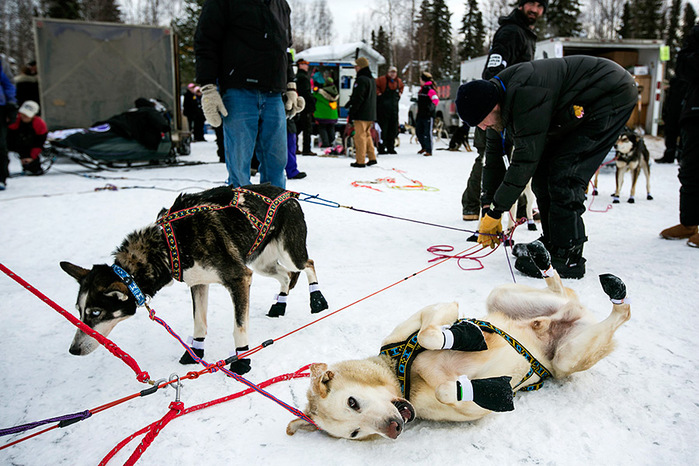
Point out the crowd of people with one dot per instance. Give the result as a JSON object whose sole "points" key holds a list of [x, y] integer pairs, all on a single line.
{"points": [[548, 122]]}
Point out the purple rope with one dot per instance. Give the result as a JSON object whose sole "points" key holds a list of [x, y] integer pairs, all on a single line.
{"points": [[63, 420]]}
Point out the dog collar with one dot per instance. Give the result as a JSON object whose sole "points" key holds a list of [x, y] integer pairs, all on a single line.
{"points": [[131, 284]]}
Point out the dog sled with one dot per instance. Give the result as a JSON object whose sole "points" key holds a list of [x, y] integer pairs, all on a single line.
{"points": [[138, 137]]}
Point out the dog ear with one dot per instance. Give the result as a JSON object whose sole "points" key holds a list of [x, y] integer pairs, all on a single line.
{"points": [[74, 271], [320, 378], [118, 290], [299, 424]]}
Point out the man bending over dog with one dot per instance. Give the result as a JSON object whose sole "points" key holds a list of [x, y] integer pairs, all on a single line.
{"points": [[562, 115]]}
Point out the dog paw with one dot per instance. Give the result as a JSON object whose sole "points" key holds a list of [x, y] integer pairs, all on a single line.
{"points": [[318, 302], [188, 359], [613, 286], [465, 336], [277, 310], [531, 226], [649, 197], [616, 200], [472, 239], [541, 257], [240, 366], [632, 200], [595, 192]]}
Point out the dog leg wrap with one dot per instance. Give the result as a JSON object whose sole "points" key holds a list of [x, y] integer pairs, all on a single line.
{"points": [[463, 336], [615, 199], [240, 366], [318, 302], [278, 309], [197, 346], [494, 394]]}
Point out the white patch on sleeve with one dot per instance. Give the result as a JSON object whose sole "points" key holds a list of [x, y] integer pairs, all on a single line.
{"points": [[496, 60]]}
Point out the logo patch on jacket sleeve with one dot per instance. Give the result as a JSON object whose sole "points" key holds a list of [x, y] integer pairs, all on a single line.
{"points": [[578, 111], [496, 60]]}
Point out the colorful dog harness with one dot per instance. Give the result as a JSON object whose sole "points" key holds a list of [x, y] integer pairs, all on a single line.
{"points": [[405, 352], [261, 225]]}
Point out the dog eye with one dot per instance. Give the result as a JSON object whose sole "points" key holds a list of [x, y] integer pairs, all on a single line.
{"points": [[95, 312], [355, 433], [352, 403]]}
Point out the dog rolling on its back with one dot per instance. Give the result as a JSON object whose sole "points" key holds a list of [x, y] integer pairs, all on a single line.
{"points": [[631, 156], [216, 236]]}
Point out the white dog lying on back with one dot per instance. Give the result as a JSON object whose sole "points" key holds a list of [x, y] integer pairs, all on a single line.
{"points": [[462, 371]]}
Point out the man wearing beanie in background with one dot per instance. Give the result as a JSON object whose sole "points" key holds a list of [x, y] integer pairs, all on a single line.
{"points": [[562, 115], [362, 113], [514, 42]]}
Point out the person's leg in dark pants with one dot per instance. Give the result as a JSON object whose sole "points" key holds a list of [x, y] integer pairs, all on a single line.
{"points": [[4, 158]]}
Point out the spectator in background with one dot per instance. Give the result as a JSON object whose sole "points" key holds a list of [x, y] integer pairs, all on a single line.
{"points": [[27, 84], [304, 123], [8, 114], [389, 88], [241, 48], [292, 170], [427, 101], [687, 70], [514, 42], [189, 105], [199, 118], [326, 96], [362, 113], [672, 108], [26, 136]]}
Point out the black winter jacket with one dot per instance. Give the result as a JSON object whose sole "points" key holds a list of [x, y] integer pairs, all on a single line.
{"points": [[688, 71], [543, 100], [513, 43], [362, 102], [243, 44], [303, 89]]}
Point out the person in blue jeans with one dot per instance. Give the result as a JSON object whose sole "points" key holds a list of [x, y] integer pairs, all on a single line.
{"points": [[244, 69]]}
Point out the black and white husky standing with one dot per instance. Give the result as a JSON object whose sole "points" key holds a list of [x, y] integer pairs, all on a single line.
{"points": [[631, 156], [216, 236]]}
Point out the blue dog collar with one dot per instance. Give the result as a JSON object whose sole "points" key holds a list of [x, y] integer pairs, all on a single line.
{"points": [[131, 284]]}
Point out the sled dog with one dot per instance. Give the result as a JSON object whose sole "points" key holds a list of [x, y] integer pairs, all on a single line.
{"points": [[527, 335], [216, 236], [631, 156]]}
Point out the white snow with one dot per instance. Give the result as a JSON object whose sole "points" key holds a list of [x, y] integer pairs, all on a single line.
{"points": [[638, 406]]}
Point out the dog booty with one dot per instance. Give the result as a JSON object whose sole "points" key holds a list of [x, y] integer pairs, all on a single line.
{"points": [[494, 394], [318, 302], [464, 336], [240, 366], [526, 266], [539, 255], [613, 287], [188, 359]]}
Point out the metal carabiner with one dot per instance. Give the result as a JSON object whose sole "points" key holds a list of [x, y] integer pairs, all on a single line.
{"points": [[177, 386]]}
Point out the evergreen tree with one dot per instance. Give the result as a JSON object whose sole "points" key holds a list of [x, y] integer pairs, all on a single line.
{"points": [[101, 10], [672, 37], [186, 26], [443, 49], [380, 42], [423, 35], [688, 20], [562, 18], [64, 9], [627, 29], [473, 30], [648, 18]]}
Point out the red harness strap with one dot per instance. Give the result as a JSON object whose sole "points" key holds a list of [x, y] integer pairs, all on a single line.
{"points": [[261, 225]]}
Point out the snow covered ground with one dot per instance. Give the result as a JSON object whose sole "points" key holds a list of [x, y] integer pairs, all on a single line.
{"points": [[638, 406]]}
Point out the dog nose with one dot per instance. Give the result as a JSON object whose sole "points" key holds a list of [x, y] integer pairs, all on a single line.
{"points": [[394, 429]]}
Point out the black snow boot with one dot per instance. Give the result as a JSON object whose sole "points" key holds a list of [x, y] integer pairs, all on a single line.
{"points": [[569, 263]]}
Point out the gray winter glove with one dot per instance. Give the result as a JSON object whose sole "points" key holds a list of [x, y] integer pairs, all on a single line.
{"points": [[212, 105], [294, 103]]}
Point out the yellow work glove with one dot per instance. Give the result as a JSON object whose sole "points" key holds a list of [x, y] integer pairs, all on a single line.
{"points": [[212, 105], [489, 230]]}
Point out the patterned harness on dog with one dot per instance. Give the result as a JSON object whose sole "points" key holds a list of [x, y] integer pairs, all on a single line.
{"points": [[405, 352], [261, 225]]}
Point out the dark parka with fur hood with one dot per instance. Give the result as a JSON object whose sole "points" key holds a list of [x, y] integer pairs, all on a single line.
{"points": [[538, 105], [244, 44]]}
